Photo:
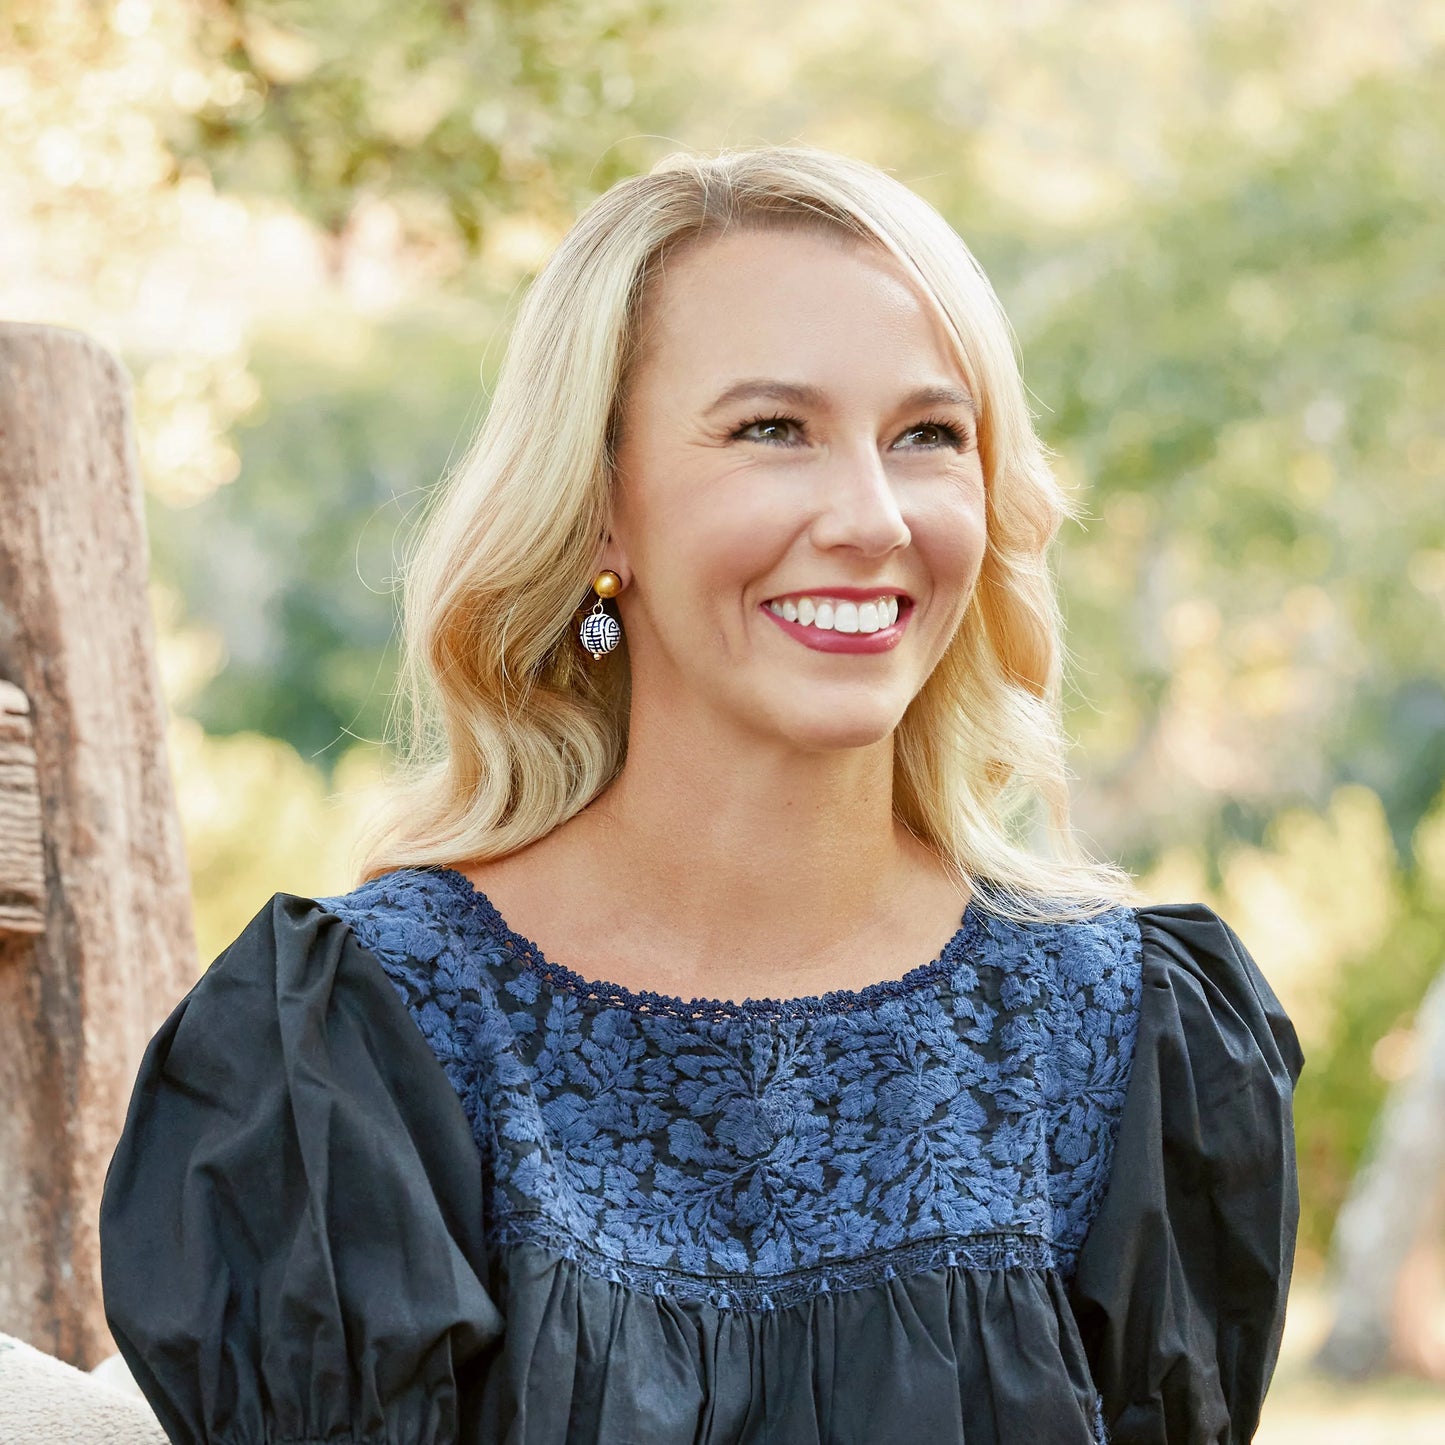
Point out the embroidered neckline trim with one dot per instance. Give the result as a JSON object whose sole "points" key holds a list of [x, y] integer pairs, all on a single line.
{"points": [[614, 995]]}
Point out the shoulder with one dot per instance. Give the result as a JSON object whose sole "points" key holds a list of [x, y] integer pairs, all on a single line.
{"points": [[1071, 953], [1088, 969], [1180, 1287], [1102, 950], [1202, 983], [436, 941], [405, 916], [1091, 969], [292, 1017], [304, 970]]}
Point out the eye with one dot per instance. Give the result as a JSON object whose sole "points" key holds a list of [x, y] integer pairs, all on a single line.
{"points": [[766, 422], [943, 433], [950, 434]]}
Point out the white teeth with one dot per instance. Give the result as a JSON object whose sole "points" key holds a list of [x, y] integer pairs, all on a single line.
{"points": [[838, 616]]}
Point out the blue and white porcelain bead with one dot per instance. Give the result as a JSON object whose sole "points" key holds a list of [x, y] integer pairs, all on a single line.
{"points": [[600, 633]]}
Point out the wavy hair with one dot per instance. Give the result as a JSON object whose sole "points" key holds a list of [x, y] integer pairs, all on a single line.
{"points": [[510, 730]]}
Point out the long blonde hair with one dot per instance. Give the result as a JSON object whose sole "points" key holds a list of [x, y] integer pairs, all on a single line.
{"points": [[512, 730]]}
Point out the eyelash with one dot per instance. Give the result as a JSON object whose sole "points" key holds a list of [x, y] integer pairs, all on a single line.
{"points": [[954, 437]]}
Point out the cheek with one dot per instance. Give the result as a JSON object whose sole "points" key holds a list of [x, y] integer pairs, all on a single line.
{"points": [[950, 531], [732, 558], [696, 563], [726, 535]]}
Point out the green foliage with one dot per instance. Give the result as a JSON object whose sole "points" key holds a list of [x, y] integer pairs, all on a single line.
{"points": [[295, 563], [1247, 372], [458, 110]]}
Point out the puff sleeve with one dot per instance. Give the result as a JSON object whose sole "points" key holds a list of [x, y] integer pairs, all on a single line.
{"points": [[1181, 1284], [291, 1225]]}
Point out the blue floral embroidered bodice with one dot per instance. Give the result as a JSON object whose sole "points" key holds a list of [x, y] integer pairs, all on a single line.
{"points": [[754, 1154]]}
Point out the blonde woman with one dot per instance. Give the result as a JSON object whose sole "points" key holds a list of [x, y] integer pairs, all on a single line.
{"points": [[726, 1040]]}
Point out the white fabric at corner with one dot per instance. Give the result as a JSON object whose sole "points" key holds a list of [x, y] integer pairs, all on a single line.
{"points": [[44, 1400]]}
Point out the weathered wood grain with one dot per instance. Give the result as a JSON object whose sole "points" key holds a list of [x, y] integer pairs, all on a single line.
{"points": [[115, 948], [22, 866]]}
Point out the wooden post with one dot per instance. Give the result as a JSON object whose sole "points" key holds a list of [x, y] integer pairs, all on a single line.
{"points": [[92, 960]]}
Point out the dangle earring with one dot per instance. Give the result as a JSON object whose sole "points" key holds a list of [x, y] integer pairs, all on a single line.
{"points": [[600, 631]]}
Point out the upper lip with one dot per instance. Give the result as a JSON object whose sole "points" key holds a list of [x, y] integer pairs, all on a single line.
{"points": [[846, 594]]}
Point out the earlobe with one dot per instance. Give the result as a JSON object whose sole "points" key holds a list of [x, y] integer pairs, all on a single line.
{"points": [[612, 560]]}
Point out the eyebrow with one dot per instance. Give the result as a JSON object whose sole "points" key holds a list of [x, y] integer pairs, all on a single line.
{"points": [[801, 394]]}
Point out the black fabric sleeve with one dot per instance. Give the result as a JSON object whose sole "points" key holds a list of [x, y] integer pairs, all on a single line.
{"points": [[1181, 1284], [291, 1226]]}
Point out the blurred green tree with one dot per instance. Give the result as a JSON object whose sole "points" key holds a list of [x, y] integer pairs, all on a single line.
{"points": [[460, 112], [294, 567], [1247, 372]]}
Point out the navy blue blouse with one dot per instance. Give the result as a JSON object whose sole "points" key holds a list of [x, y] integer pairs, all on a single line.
{"points": [[390, 1175]]}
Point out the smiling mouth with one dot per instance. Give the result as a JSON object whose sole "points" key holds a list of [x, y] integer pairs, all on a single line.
{"points": [[839, 614]]}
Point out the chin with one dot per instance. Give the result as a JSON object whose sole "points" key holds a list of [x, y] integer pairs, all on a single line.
{"points": [[838, 728]]}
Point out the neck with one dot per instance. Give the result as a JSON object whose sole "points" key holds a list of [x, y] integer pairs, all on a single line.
{"points": [[745, 835]]}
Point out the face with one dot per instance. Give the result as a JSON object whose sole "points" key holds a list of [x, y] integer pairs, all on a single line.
{"points": [[798, 448]]}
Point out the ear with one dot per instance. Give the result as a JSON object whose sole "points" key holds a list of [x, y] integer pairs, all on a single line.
{"points": [[613, 557]]}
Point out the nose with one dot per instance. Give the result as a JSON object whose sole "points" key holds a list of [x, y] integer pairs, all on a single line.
{"points": [[859, 506]]}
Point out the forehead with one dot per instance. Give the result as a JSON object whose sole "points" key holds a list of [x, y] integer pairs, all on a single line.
{"points": [[811, 301]]}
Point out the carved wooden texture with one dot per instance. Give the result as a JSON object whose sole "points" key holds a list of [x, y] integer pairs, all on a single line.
{"points": [[79, 999], [22, 864]]}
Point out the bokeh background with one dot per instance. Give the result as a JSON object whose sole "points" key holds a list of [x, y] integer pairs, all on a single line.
{"points": [[305, 225]]}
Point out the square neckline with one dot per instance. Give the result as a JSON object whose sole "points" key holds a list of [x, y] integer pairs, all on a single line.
{"points": [[643, 1001]]}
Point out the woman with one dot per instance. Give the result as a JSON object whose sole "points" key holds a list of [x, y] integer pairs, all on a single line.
{"points": [[403, 1167]]}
